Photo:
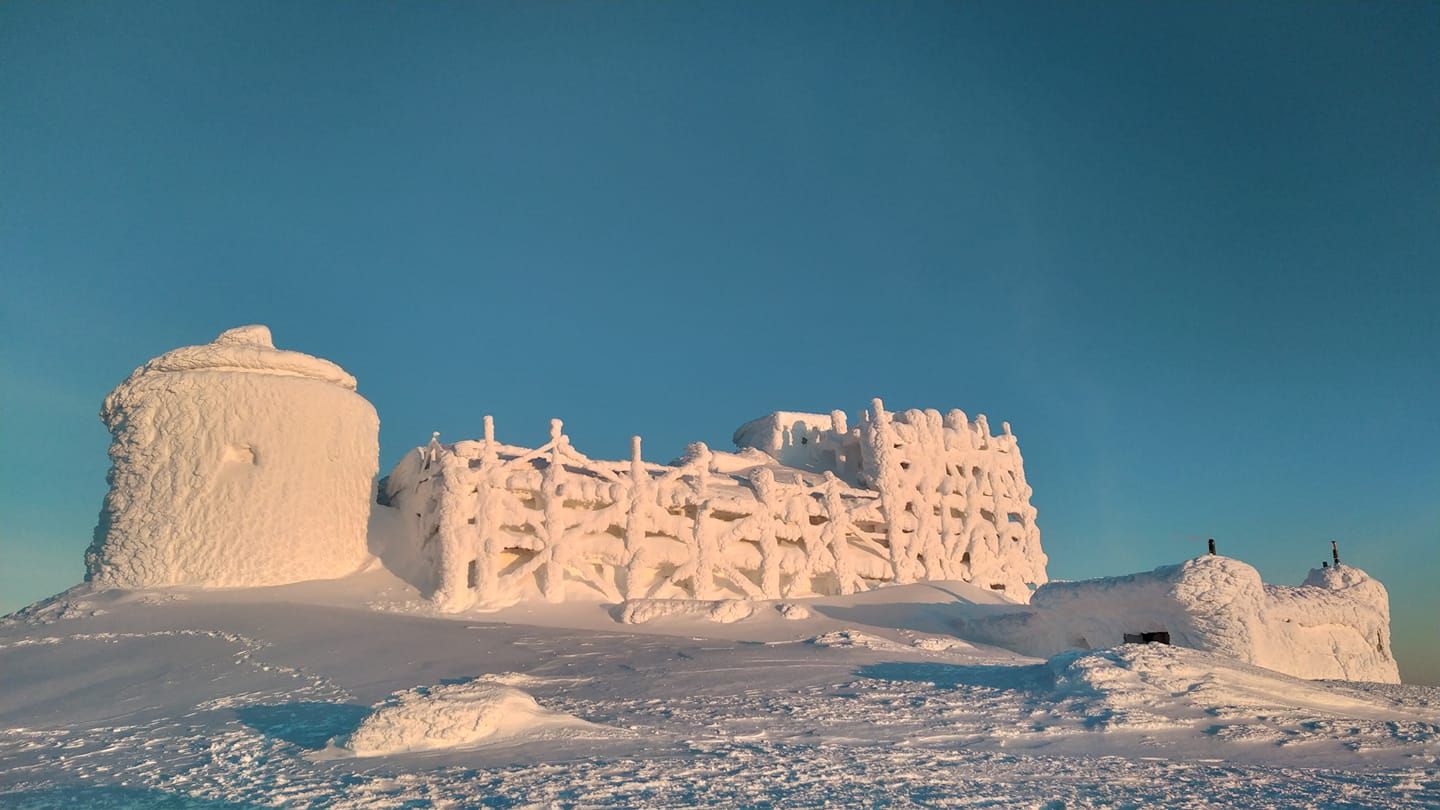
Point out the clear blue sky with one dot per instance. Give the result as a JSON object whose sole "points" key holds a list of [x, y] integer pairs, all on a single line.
{"points": [[1191, 251]]}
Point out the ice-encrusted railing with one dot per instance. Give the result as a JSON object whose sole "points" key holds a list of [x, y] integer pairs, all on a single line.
{"points": [[955, 499], [497, 523]]}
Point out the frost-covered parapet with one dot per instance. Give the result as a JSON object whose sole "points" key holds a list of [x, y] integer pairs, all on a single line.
{"points": [[235, 464], [1336, 625], [958, 494], [942, 499]]}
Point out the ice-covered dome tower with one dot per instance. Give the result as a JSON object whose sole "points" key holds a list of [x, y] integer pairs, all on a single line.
{"points": [[235, 464]]}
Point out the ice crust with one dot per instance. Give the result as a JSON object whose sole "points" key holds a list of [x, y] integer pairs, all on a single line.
{"points": [[235, 464], [1336, 625]]}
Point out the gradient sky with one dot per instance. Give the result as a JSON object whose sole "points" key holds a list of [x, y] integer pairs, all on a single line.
{"points": [[1190, 251]]}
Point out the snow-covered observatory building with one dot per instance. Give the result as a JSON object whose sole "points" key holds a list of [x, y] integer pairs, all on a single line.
{"points": [[807, 506], [235, 464]]}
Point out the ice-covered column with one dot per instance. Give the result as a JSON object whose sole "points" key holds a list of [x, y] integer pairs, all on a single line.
{"points": [[235, 464]]}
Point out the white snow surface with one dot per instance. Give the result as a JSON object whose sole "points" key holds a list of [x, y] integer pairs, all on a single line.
{"points": [[235, 464], [1335, 625], [237, 698]]}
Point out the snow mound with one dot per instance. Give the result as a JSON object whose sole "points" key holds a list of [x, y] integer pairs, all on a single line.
{"points": [[724, 611], [793, 611], [941, 644], [450, 716], [1157, 685], [851, 639], [235, 464]]}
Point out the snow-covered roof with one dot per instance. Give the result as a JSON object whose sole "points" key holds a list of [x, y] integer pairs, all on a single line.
{"points": [[765, 433], [247, 349]]}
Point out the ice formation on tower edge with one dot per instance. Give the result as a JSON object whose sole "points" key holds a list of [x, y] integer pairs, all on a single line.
{"points": [[235, 464], [808, 506]]}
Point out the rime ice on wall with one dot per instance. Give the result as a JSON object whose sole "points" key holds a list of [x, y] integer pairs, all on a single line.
{"points": [[235, 464], [942, 499], [805, 441], [1336, 625], [960, 494]]}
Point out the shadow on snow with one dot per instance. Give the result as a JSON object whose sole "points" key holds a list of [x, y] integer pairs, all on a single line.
{"points": [[111, 797], [307, 724]]}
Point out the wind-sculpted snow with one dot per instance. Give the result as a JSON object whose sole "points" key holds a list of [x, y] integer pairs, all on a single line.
{"points": [[450, 716], [641, 611], [1157, 685], [1336, 625], [941, 499], [235, 464]]}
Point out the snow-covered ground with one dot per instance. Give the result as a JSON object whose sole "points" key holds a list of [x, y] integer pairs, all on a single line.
{"points": [[354, 693]]}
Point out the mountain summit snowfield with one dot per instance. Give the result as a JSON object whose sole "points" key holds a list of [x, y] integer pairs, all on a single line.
{"points": [[832, 615]]}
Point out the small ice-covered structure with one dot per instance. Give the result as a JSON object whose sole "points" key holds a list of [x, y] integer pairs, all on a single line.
{"points": [[806, 441], [902, 497], [235, 464], [1335, 625]]}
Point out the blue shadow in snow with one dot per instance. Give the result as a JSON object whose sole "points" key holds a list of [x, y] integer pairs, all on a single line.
{"points": [[307, 724], [111, 797]]}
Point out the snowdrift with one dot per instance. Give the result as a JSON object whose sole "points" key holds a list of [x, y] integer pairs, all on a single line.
{"points": [[450, 716], [1157, 684]]}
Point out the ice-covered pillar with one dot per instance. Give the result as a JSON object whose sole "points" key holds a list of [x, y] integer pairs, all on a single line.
{"points": [[235, 464]]}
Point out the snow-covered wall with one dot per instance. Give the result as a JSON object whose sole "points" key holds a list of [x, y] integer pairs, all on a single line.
{"points": [[235, 464], [955, 497], [942, 499], [806, 441], [1336, 625], [959, 496]]}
